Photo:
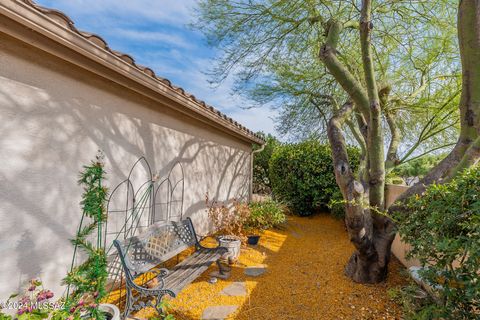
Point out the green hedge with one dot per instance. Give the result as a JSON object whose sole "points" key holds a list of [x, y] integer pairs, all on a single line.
{"points": [[443, 226], [302, 175], [261, 176]]}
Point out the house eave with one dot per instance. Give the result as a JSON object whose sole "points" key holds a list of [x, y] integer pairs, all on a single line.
{"points": [[58, 28]]}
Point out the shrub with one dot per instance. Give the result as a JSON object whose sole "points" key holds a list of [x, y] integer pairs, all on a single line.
{"points": [[228, 219], [261, 176], [302, 175], [417, 167], [265, 215], [337, 205], [443, 227]]}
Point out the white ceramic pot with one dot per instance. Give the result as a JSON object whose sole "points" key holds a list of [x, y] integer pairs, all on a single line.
{"points": [[110, 309], [233, 245]]}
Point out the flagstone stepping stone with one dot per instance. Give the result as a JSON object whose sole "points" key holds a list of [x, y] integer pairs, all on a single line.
{"points": [[223, 276], [255, 271], [236, 289], [218, 312]]}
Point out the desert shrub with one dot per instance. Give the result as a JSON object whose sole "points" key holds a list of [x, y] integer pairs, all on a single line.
{"points": [[302, 175], [417, 167], [336, 205], [443, 227], [265, 215], [228, 219], [392, 178], [415, 302]]}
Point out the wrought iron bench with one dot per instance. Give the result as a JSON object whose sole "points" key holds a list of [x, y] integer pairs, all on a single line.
{"points": [[162, 241]]}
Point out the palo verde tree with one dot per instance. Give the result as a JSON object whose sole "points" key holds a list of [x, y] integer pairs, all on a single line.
{"points": [[385, 71]]}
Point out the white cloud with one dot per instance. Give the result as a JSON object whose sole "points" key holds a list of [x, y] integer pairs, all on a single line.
{"points": [[180, 59], [161, 11], [155, 36]]}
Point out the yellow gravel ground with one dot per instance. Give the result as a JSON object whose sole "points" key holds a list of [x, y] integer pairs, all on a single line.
{"points": [[304, 279]]}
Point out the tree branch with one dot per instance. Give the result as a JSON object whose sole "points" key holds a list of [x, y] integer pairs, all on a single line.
{"points": [[375, 132], [339, 71]]}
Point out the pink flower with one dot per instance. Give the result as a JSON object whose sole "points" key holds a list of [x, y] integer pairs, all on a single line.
{"points": [[21, 311], [24, 300], [32, 288]]}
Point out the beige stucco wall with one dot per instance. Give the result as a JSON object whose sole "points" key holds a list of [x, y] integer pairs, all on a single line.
{"points": [[399, 248], [53, 119]]}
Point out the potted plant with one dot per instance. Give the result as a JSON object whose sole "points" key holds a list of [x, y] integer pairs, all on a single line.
{"points": [[263, 215], [228, 222]]}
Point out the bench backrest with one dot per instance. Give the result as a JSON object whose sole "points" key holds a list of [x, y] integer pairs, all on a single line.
{"points": [[160, 242]]}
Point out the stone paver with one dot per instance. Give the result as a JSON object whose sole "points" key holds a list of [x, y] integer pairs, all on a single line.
{"points": [[236, 289], [223, 276], [255, 271], [218, 312]]}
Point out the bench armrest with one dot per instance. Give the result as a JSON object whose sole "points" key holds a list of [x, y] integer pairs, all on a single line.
{"points": [[160, 272], [198, 246]]}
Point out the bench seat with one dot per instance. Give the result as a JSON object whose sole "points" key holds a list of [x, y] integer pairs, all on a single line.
{"points": [[144, 253], [191, 268]]}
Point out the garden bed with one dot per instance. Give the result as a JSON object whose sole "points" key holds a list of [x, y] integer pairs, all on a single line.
{"points": [[303, 279]]}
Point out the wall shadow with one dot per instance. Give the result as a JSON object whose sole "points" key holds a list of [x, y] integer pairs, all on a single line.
{"points": [[54, 117]]}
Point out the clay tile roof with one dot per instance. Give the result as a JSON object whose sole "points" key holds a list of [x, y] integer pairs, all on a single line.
{"points": [[65, 21]]}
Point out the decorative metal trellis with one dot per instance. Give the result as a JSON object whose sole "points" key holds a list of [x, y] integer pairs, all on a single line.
{"points": [[134, 204]]}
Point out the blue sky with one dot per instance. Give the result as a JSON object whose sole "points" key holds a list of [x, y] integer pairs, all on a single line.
{"points": [[156, 34]]}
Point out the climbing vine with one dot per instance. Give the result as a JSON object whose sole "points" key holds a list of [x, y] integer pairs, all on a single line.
{"points": [[88, 279]]}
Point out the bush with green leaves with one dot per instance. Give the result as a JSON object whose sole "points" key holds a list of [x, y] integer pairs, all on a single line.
{"points": [[417, 167], [443, 228], [261, 176], [302, 175], [265, 215]]}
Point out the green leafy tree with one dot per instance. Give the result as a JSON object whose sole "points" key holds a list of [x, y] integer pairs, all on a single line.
{"points": [[381, 69]]}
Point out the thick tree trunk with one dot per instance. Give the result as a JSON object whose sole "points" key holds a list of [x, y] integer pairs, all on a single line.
{"points": [[372, 234], [371, 237]]}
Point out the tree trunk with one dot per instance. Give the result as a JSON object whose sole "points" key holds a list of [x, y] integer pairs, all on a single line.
{"points": [[371, 235]]}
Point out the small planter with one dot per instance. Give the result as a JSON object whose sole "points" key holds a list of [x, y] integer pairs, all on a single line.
{"points": [[233, 245], [253, 240], [111, 311]]}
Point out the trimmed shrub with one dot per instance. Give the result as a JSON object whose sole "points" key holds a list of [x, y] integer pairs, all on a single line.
{"points": [[265, 215], [302, 175], [417, 167], [443, 228], [261, 176]]}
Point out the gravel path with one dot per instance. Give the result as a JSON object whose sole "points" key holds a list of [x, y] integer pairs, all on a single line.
{"points": [[303, 279]]}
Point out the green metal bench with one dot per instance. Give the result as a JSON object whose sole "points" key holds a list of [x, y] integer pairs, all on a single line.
{"points": [[160, 242]]}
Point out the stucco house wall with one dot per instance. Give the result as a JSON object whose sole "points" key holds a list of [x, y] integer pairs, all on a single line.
{"points": [[55, 115]]}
